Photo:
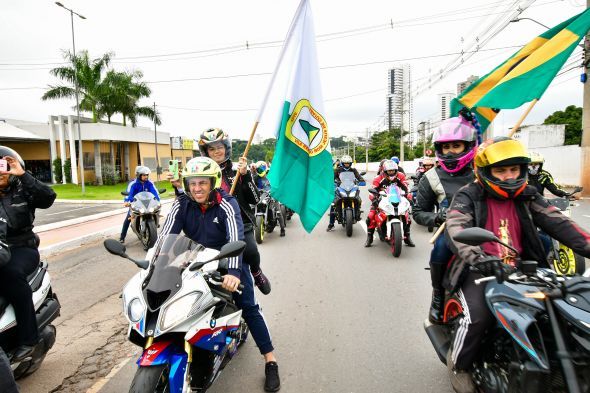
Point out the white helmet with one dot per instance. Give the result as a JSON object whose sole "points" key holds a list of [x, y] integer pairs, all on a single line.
{"points": [[388, 166], [142, 170]]}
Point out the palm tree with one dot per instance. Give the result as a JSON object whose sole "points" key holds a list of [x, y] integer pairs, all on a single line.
{"points": [[121, 94], [89, 73]]}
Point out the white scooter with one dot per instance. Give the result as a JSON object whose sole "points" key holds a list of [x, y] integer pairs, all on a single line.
{"points": [[47, 308], [188, 326]]}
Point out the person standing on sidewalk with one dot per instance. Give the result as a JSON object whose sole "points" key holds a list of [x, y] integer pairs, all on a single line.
{"points": [[139, 184], [20, 195]]}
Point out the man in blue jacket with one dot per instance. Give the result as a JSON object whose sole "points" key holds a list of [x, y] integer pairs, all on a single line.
{"points": [[139, 184], [211, 217]]}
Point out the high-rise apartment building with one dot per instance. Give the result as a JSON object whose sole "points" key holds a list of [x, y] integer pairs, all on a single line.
{"points": [[461, 86], [399, 99], [444, 101]]}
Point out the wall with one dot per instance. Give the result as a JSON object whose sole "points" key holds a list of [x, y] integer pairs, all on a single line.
{"points": [[31, 150], [541, 135], [563, 162]]}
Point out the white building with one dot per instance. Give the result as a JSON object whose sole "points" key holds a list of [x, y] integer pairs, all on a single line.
{"points": [[399, 99], [444, 104], [461, 86]]}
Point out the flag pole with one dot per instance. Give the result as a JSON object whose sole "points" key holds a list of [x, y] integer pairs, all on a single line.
{"points": [[268, 90], [524, 115], [510, 135]]}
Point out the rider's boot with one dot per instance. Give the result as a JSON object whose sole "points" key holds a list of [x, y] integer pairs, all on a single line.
{"points": [[370, 233], [408, 240], [435, 314], [262, 282], [282, 232]]}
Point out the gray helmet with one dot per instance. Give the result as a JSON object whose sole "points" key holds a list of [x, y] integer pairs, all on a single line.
{"points": [[142, 170]]}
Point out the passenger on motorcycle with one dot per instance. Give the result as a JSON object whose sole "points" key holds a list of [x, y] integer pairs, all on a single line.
{"points": [[501, 202], [207, 214], [20, 195], [455, 143], [139, 184], [345, 166], [427, 164], [389, 176], [216, 144], [399, 168]]}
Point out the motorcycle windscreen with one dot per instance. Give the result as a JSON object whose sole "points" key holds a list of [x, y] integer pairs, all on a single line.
{"points": [[145, 199], [393, 194], [172, 254], [347, 180]]}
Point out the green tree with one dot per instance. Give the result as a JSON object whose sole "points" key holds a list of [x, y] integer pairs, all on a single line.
{"points": [[384, 144], [572, 118], [89, 73]]}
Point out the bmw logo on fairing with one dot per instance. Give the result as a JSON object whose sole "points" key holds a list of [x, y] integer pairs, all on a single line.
{"points": [[212, 323]]}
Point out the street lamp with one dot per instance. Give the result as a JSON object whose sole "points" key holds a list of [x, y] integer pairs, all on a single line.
{"points": [[81, 154], [532, 20]]}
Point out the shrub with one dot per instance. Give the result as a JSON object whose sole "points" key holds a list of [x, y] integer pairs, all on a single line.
{"points": [[110, 176], [57, 170], [68, 169]]}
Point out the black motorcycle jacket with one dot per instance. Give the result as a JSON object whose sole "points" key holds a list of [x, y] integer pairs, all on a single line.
{"points": [[434, 187], [543, 180], [18, 204], [469, 209], [246, 193]]}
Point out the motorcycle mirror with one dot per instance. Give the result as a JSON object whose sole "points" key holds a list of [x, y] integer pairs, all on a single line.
{"points": [[116, 248], [363, 173], [125, 193], [475, 236], [162, 190], [373, 191]]}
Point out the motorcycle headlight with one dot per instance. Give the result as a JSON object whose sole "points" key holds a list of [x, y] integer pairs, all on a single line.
{"points": [[343, 194], [142, 210], [135, 310], [151, 209], [178, 310]]}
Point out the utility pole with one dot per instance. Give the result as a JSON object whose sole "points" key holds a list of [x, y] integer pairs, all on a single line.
{"points": [[367, 152], [354, 150], [156, 144], [585, 145]]}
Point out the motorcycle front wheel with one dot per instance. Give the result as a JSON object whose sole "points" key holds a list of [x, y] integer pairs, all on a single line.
{"points": [[153, 379], [349, 220], [150, 235], [396, 239], [259, 230]]}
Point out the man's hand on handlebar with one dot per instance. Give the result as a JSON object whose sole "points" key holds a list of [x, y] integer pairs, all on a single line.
{"points": [[230, 283]]}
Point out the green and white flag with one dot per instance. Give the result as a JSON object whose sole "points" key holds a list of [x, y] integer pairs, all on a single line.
{"points": [[301, 174]]}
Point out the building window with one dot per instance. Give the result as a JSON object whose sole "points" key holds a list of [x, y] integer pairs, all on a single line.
{"points": [[88, 161], [150, 162]]}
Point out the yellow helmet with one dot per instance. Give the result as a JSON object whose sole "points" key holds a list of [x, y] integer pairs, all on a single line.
{"points": [[501, 151], [536, 158], [201, 167]]}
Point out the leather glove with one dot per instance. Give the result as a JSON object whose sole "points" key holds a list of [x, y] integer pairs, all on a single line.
{"points": [[441, 216], [491, 266]]}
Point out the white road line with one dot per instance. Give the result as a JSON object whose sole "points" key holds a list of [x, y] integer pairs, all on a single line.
{"points": [[103, 381], [586, 215], [363, 225], [73, 210]]}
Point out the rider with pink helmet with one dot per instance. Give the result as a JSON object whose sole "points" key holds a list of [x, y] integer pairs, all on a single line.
{"points": [[455, 131], [455, 142]]}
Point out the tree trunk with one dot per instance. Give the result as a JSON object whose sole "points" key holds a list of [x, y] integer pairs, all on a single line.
{"points": [[124, 121]]}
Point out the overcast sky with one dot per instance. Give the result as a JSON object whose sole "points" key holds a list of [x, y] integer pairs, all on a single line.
{"points": [[140, 33]]}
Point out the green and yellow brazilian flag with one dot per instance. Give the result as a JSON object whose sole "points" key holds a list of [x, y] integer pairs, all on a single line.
{"points": [[525, 75]]}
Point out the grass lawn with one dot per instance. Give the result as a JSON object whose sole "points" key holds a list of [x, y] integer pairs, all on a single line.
{"points": [[72, 191]]}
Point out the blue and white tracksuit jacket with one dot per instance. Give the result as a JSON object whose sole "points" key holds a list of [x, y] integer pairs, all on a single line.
{"points": [[135, 186], [213, 227]]}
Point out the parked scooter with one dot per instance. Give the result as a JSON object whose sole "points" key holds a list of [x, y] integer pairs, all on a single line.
{"points": [[188, 326], [145, 217], [269, 212], [47, 309], [540, 342], [393, 212], [347, 204], [564, 260]]}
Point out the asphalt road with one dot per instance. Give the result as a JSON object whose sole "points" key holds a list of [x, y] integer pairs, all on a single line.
{"points": [[343, 318], [67, 211]]}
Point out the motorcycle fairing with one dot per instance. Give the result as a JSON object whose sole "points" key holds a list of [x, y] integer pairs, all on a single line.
{"points": [[165, 352], [516, 321], [393, 194], [211, 333], [133, 290], [578, 317]]}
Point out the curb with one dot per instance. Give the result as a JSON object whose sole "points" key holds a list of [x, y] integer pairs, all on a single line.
{"points": [[79, 220], [77, 242], [99, 201]]}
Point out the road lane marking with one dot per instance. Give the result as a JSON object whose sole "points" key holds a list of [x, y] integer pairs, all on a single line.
{"points": [[72, 210], [103, 381]]}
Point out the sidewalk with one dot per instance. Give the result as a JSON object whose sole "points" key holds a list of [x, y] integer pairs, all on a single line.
{"points": [[67, 235]]}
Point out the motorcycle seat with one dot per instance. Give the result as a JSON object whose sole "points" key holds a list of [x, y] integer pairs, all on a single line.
{"points": [[35, 279], [560, 203]]}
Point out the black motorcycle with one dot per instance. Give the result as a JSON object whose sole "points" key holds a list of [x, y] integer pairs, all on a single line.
{"points": [[347, 203], [541, 340], [145, 216], [269, 212]]}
